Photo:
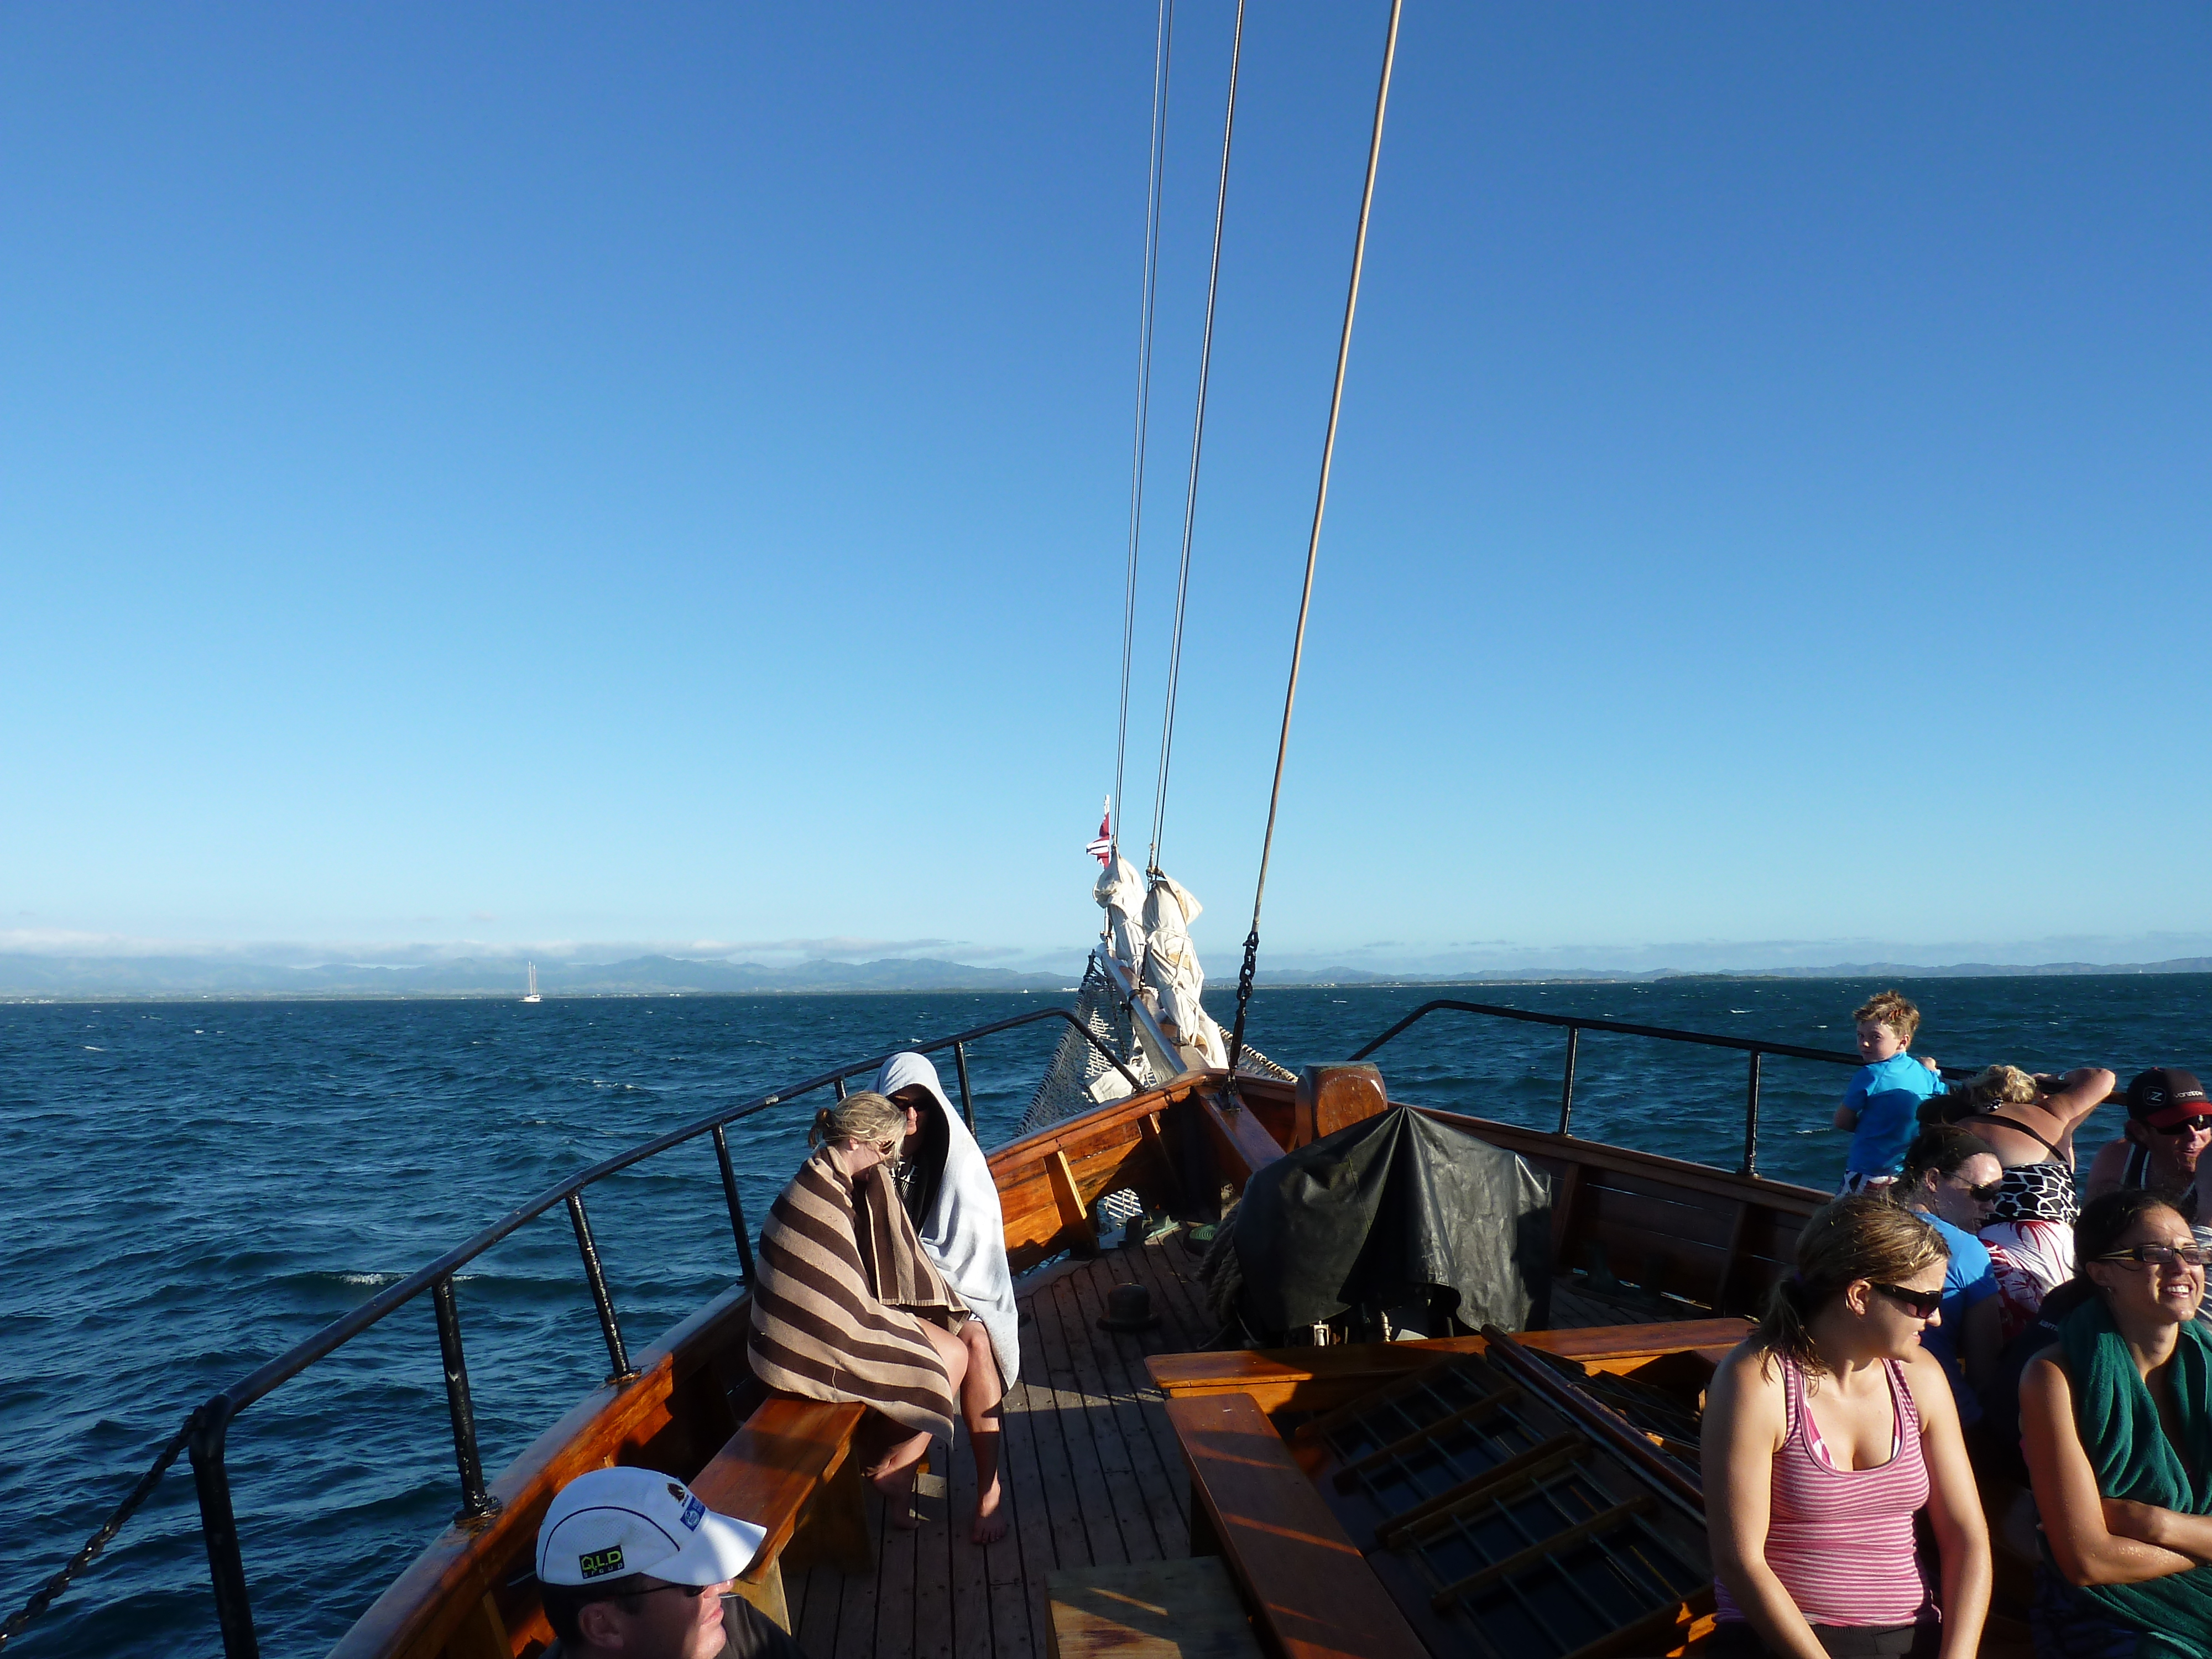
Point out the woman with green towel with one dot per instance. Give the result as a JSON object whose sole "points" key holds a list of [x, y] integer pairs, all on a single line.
{"points": [[2116, 1423]]}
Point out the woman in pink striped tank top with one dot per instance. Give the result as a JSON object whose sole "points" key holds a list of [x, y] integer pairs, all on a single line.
{"points": [[1824, 1433]]}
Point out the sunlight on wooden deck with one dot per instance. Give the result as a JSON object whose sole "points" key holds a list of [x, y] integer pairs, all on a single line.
{"points": [[1091, 1470]]}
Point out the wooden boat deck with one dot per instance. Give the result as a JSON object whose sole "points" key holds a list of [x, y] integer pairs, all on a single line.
{"points": [[1096, 1474], [1092, 1475]]}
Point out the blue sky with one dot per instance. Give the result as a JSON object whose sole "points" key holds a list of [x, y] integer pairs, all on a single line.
{"points": [[504, 476]]}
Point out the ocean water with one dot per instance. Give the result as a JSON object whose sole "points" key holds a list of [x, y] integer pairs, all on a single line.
{"points": [[190, 1189]]}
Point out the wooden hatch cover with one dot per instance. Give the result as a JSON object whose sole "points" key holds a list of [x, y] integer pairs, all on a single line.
{"points": [[1511, 1518]]}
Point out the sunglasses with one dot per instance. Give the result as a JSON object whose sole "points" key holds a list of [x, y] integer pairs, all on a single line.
{"points": [[1985, 1194], [2157, 1256], [2188, 1125], [1921, 1304], [694, 1591]]}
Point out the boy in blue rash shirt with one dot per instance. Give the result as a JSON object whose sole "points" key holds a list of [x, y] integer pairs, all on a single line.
{"points": [[1880, 1107]]}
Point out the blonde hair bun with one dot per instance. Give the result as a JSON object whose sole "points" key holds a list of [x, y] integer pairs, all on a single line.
{"points": [[865, 1116]]}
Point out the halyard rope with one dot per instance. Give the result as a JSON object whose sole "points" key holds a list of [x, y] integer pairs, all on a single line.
{"points": [[1162, 43], [1197, 441], [1312, 541]]}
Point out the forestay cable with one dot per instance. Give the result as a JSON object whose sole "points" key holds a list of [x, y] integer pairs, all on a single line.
{"points": [[1162, 44], [1312, 541], [1197, 442], [49, 1592]]}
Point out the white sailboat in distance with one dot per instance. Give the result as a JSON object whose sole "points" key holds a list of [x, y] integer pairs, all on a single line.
{"points": [[530, 995]]}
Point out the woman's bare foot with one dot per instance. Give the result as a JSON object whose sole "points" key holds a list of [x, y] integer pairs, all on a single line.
{"points": [[896, 1485], [990, 1524]]}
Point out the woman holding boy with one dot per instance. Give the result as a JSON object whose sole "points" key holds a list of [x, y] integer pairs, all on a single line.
{"points": [[1950, 1182]]}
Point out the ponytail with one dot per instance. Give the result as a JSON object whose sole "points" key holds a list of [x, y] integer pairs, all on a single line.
{"points": [[1782, 1328]]}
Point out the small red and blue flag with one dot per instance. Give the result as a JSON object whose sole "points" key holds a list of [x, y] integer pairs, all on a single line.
{"points": [[1102, 848]]}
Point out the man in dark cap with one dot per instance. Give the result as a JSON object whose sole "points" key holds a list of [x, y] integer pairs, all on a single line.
{"points": [[2169, 1126]]}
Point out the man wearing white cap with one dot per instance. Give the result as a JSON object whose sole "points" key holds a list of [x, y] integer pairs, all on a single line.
{"points": [[631, 1563]]}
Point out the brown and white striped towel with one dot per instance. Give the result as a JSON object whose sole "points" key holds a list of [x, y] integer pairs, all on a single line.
{"points": [[841, 1291]]}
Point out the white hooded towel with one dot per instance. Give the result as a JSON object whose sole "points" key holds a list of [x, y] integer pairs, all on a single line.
{"points": [[965, 1232]]}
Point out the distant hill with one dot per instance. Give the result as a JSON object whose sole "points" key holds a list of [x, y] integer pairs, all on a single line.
{"points": [[85, 977], [81, 978], [1296, 976]]}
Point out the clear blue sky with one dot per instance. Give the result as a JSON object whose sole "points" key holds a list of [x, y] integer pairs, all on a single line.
{"points": [[530, 473]]}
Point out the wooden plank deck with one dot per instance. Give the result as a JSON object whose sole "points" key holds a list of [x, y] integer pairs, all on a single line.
{"points": [[1091, 1473]]}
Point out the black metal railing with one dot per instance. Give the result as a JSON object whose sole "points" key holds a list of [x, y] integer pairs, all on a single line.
{"points": [[207, 1431], [1575, 1025]]}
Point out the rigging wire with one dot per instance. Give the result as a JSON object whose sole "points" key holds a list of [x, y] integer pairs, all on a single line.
{"points": [[1163, 44], [51, 1591], [1197, 442], [1312, 541]]}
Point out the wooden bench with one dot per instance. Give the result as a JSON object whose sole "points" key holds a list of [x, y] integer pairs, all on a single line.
{"points": [[790, 1470], [1310, 1589], [1319, 1379]]}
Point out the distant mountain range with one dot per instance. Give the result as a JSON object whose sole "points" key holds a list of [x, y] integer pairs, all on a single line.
{"points": [[1839, 970], [27, 974], [22, 975]]}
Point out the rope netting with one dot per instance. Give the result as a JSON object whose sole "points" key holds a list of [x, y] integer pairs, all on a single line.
{"points": [[1080, 1078]]}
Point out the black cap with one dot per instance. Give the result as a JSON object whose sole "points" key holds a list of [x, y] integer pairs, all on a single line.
{"points": [[2165, 1095]]}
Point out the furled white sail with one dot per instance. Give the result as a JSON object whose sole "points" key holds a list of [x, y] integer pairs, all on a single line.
{"points": [[1121, 893], [1171, 969]]}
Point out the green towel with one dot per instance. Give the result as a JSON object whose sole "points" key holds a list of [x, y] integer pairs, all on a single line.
{"points": [[2134, 1459]]}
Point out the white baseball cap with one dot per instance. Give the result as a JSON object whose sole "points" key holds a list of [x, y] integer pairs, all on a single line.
{"points": [[611, 1524]]}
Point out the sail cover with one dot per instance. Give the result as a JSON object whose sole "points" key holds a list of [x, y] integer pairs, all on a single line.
{"points": [[1171, 969], [1392, 1210], [1121, 893]]}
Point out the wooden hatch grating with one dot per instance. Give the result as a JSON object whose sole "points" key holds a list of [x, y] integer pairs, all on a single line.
{"points": [[1500, 1526]]}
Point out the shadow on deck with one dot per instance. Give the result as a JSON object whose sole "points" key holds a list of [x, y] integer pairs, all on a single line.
{"points": [[1090, 1465]]}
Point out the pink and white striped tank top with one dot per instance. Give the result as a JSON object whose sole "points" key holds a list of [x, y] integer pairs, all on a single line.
{"points": [[1841, 1540]]}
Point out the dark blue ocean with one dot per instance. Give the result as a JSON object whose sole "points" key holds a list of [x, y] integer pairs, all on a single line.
{"points": [[190, 1188]]}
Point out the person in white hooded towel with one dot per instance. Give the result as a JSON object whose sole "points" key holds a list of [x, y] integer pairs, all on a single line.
{"points": [[955, 1204]]}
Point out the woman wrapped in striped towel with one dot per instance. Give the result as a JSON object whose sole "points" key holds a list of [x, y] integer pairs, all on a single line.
{"points": [[847, 1306], [1823, 1434]]}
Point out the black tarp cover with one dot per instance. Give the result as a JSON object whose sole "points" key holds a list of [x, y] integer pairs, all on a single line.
{"points": [[1383, 1211]]}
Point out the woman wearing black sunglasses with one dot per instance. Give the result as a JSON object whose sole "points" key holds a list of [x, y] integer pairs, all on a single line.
{"points": [[1824, 1434], [1950, 1181], [2116, 1421]]}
